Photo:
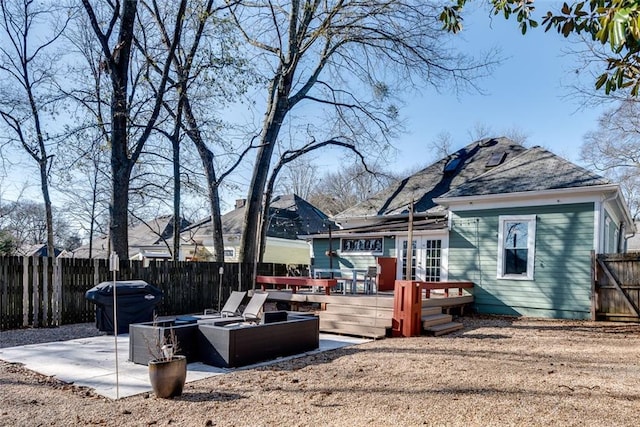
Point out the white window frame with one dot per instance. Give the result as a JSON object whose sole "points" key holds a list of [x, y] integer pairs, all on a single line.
{"points": [[531, 246]]}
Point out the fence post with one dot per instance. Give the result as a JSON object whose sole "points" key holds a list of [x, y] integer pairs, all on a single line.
{"points": [[25, 291], [45, 291], [57, 292], [35, 295], [96, 271]]}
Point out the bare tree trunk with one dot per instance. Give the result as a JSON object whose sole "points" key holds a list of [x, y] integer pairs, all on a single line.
{"points": [[122, 158], [20, 65], [213, 184], [120, 163], [176, 197], [255, 206]]}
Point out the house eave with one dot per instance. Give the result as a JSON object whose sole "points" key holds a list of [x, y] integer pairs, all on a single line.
{"points": [[594, 190]]}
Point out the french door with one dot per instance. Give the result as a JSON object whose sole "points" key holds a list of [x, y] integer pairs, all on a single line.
{"points": [[426, 260]]}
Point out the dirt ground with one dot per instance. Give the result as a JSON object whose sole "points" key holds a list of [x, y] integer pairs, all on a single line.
{"points": [[497, 371]]}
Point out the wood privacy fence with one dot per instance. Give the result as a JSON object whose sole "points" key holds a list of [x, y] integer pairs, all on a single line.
{"points": [[616, 287], [37, 292]]}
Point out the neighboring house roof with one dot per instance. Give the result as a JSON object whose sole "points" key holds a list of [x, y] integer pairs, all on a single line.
{"points": [[436, 180], [289, 217], [39, 250], [536, 169], [141, 235]]}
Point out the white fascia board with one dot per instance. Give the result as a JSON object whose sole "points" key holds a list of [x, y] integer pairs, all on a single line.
{"points": [[527, 198], [620, 210], [277, 241]]}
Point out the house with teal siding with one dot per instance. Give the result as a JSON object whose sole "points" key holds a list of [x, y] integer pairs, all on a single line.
{"points": [[521, 223]]}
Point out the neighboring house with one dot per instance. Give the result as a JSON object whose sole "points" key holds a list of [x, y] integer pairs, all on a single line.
{"points": [[520, 223], [289, 217], [151, 239], [633, 243]]}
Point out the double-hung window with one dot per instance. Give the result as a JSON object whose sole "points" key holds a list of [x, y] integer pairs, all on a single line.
{"points": [[516, 247]]}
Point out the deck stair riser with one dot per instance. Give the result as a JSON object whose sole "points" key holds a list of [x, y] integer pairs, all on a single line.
{"points": [[377, 312], [429, 311], [360, 319], [436, 319], [349, 328]]}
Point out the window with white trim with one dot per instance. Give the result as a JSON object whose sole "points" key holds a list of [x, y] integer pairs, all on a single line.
{"points": [[516, 247]]}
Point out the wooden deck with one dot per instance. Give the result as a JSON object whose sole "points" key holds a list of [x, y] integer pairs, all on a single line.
{"points": [[368, 315]]}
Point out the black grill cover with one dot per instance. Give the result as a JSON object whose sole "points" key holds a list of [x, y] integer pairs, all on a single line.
{"points": [[136, 301]]}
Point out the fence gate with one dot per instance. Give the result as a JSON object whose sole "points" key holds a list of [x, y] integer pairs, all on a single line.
{"points": [[616, 287]]}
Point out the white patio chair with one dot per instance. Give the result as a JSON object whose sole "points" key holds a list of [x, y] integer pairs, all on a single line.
{"points": [[230, 307], [254, 306]]}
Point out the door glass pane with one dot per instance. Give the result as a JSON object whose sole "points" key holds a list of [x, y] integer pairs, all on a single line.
{"points": [[404, 261], [433, 249]]}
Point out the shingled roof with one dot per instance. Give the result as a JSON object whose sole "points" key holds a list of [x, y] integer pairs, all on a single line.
{"points": [[436, 180], [534, 170], [289, 217], [143, 234]]}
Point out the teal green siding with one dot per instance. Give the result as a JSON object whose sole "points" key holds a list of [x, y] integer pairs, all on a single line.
{"points": [[349, 260], [561, 286]]}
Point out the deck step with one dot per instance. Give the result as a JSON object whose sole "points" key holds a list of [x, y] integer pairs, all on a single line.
{"points": [[350, 328], [436, 319], [445, 328]]}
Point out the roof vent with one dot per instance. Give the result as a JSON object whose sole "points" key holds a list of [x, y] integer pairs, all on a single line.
{"points": [[487, 142], [452, 165], [496, 159]]}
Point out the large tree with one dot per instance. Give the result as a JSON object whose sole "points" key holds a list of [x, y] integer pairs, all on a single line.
{"points": [[348, 57], [28, 95], [114, 26], [206, 72]]}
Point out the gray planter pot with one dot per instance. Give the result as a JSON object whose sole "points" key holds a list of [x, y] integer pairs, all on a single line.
{"points": [[168, 376]]}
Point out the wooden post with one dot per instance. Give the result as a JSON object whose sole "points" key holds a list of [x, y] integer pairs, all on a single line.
{"points": [[35, 295], [594, 277], [57, 293], [45, 291], [409, 266]]}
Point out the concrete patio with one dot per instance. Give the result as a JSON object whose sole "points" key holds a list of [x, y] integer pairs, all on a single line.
{"points": [[91, 362]]}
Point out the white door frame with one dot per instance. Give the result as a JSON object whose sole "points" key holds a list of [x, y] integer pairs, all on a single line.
{"points": [[420, 255]]}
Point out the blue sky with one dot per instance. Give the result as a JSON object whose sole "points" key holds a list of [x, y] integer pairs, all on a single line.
{"points": [[528, 91]]}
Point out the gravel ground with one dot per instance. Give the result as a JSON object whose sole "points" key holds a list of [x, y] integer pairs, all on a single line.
{"points": [[497, 371], [18, 337]]}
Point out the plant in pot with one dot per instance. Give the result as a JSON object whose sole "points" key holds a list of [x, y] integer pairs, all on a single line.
{"points": [[167, 369]]}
